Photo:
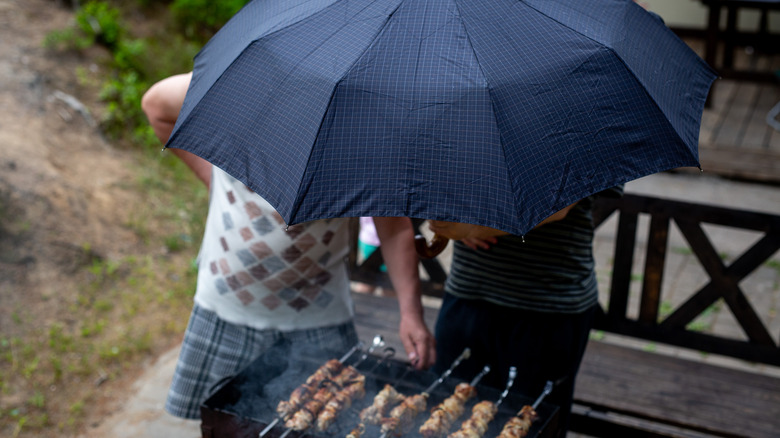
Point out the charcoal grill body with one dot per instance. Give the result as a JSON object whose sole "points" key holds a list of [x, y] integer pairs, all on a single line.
{"points": [[246, 404]]}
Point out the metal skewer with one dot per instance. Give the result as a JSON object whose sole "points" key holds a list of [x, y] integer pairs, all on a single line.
{"points": [[343, 359], [547, 389], [389, 352], [479, 376], [378, 341], [351, 351], [509, 383], [465, 355]]}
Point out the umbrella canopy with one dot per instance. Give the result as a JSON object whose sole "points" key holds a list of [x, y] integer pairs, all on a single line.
{"points": [[496, 113]]}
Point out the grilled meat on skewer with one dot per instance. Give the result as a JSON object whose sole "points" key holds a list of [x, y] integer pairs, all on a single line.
{"points": [[357, 432], [383, 401], [351, 390], [518, 426], [306, 415], [303, 417], [329, 370], [483, 412], [475, 427], [401, 417], [443, 415]]}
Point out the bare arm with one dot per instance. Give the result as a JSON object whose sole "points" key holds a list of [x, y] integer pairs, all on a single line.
{"points": [[162, 103], [397, 237], [477, 236]]}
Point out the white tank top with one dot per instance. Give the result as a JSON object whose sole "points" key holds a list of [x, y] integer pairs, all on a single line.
{"points": [[255, 271]]}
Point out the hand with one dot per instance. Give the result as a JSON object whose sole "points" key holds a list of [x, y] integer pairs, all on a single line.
{"points": [[397, 236], [460, 231], [477, 243], [418, 341]]}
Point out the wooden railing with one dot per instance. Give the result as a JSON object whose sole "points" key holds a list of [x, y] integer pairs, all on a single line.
{"points": [[723, 280]]}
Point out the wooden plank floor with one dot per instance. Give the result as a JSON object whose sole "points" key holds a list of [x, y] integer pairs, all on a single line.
{"points": [[735, 139], [692, 394]]}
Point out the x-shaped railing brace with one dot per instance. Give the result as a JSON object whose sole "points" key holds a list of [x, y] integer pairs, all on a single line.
{"points": [[724, 282]]}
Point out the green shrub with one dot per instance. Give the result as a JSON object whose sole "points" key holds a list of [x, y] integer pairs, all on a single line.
{"points": [[96, 23], [123, 94], [100, 22], [199, 19], [135, 62]]}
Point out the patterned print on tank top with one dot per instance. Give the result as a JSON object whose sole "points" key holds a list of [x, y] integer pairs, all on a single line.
{"points": [[295, 279]]}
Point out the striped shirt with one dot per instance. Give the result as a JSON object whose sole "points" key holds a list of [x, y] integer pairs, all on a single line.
{"points": [[550, 269]]}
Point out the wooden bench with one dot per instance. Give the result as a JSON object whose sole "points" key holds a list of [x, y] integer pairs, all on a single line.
{"points": [[624, 391]]}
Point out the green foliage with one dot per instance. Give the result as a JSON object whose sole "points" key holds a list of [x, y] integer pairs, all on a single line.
{"points": [[136, 62], [99, 23], [95, 23], [199, 19], [167, 55], [123, 94]]}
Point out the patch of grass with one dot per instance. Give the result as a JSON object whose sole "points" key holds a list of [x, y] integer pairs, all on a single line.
{"points": [[90, 328], [682, 250], [77, 407], [123, 325], [20, 423], [665, 310], [176, 242], [596, 335], [59, 341], [704, 321], [123, 311], [37, 400], [30, 368]]}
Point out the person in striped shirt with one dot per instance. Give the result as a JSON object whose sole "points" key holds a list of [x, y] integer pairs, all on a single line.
{"points": [[524, 301]]}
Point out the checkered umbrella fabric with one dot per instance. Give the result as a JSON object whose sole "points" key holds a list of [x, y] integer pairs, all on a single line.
{"points": [[496, 113]]}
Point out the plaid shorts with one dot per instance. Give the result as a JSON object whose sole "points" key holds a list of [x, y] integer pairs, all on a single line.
{"points": [[214, 351]]}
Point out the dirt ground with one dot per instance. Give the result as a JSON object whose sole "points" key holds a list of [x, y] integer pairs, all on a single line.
{"points": [[64, 189], [61, 182]]}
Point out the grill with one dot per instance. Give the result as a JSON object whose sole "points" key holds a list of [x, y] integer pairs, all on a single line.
{"points": [[246, 403]]}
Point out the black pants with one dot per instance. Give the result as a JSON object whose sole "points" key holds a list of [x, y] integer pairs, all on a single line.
{"points": [[543, 346]]}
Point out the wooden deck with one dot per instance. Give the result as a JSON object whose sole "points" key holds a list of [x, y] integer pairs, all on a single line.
{"points": [[735, 139]]}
